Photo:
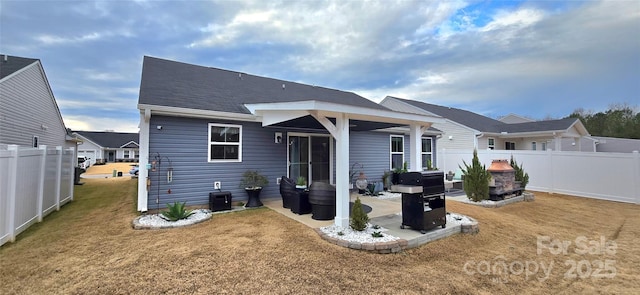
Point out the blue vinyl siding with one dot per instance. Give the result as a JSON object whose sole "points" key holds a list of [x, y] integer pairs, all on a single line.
{"points": [[372, 150], [182, 144]]}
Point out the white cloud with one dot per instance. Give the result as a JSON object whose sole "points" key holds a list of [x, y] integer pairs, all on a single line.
{"points": [[98, 123]]}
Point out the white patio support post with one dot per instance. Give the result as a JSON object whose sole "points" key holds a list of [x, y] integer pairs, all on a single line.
{"points": [[342, 171], [415, 147], [143, 173]]}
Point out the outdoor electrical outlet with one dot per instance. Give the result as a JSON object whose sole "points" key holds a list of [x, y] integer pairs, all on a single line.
{"points": [[278, 180], [217, 185]]}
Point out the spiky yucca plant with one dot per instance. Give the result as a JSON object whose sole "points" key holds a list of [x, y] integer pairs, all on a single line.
{"points": [[476, 179], [176, 212], [521, 176], [359, 218]]}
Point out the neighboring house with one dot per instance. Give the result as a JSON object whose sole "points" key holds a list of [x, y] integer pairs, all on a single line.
{"points": [[102, 147], [514, 119], [467, 130], [200, 125], [29, 114]]}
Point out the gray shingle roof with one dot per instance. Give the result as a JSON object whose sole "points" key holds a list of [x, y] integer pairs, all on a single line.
{"points": [[486, 124], [13, 64], [176, 84], [110, 139]]}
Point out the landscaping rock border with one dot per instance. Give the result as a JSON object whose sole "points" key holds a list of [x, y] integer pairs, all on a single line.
{"points": [[526, 196], [397, 245]]}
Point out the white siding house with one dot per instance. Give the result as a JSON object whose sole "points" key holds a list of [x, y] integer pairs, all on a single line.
{"points": [[29, 112], [463, 129]]}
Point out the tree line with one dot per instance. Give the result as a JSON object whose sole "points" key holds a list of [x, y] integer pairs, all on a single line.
{"points": [[620, 120]]}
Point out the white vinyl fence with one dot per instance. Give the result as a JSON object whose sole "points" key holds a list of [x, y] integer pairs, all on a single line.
{"points": [[33, 183], [608, 176]]}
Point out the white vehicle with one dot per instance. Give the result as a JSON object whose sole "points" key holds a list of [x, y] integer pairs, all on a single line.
{"points": [[84, 163]]}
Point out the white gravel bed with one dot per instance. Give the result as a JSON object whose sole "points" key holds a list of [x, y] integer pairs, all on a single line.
{"points": [[458, 219], [155, 221], [358, 236], [387, 195]]}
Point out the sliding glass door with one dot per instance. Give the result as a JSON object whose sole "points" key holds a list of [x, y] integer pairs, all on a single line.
{"points": [[310, 157]]}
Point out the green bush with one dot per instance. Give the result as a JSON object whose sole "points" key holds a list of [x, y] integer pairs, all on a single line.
{"points": [[252, 179], [521, 176], [476, 179], [176, 212], [359, 218]]}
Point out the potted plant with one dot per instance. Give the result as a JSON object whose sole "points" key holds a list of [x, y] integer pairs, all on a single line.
{"points": [[301, 182], [395, 177], [450, 176], [252, 182]]}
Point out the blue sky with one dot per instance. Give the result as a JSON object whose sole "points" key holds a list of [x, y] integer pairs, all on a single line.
{"points": [[540, 59]]}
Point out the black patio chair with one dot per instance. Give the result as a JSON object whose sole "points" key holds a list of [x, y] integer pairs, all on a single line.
{"points": [[322, 197]]}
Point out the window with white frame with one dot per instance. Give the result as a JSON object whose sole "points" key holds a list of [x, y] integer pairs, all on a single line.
{"points": [[126, 154], [427, 153], [397, 151], [491, 143], [543, 145], [508, 145], [225, 143], [533, 146]]}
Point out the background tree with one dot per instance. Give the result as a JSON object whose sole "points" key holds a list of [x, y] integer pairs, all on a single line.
{"points": [[620, 120]]}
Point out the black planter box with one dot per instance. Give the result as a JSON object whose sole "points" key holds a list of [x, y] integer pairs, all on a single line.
{"points": [[220, 201]]}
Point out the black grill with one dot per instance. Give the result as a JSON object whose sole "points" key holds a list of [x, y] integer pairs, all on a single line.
{"points": [[426, 210]]}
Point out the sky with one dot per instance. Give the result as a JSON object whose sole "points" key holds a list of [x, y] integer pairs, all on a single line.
{"points": [[538, 59]]}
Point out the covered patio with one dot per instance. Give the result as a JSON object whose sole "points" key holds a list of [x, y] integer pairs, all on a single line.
{"points": [[339, 120]]}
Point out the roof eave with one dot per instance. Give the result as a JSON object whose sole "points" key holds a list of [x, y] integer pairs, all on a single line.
{"points": [[196, 113]]}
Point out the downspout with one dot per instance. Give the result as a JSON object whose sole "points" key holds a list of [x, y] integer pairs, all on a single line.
{"points": [[475, 139]]}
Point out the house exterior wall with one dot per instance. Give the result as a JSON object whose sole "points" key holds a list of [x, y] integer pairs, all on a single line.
{"points": [[28, 109], [90, 150], [461, 137], [617, 145], [182, 145]]}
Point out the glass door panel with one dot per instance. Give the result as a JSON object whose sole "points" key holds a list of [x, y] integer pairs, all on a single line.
{"points": [[298, 157], [320, 159]]}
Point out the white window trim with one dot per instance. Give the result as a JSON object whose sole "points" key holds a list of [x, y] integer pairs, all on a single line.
{"points": [[239, 143], [543, 146], [427, 153], [534, 145], [491, 146], [391, 152]]}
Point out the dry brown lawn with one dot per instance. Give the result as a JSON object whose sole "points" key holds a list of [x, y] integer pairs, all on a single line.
{"points": [[89, 247], [109, 167]]}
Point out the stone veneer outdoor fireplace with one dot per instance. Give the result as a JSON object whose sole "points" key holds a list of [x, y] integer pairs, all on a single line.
{"points": [[503, 180]]}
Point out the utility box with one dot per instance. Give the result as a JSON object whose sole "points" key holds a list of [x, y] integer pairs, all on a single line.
{"points": [[220, 201]]}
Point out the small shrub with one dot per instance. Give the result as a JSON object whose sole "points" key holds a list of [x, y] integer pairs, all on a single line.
{"points": [[340, 233], [176, 212], [521, 176], [377, 234], [375, 226], [476, 179], [359, 218]]}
